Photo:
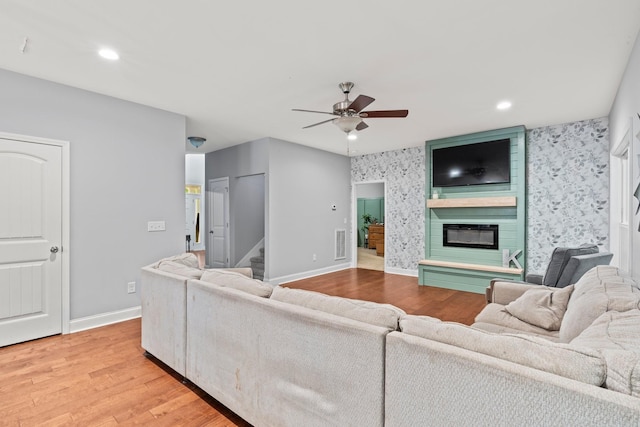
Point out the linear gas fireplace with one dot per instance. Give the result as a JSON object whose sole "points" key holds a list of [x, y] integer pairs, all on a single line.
{"points": [[479, 236]]}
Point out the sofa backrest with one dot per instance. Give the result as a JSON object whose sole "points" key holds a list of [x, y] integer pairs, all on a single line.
{"points": [[578, 265], [559, 259], [601, 289], [385, 315]]}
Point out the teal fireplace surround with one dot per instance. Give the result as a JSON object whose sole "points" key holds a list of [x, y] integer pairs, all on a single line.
{"points": [[470, 269]]}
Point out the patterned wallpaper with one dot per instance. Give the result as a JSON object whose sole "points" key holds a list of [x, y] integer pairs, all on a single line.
{"points": [[568, 188], [403, 173], [568, 193]]}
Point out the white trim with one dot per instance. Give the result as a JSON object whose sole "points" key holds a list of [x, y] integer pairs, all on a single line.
{"points": [[402, 272], [66, 223], [308, 274], [354, 216], [104, 319]]}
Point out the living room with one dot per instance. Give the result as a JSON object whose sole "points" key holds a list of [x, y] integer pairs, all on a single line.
{"points": [[126, 168]]}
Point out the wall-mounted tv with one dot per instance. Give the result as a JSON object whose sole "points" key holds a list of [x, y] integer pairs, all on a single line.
{"points": [[472, 164]]}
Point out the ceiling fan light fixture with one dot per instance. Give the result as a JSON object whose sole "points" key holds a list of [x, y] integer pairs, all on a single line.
{"points": [[196, 141], [347, 124]]}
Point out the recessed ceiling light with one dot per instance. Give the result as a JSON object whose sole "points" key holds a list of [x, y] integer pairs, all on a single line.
{"points": [[109, 54], [503, 105]]}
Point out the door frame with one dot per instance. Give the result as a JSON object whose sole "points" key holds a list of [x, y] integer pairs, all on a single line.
{"points": [[354, 219], [66, 223], [209, 221]]}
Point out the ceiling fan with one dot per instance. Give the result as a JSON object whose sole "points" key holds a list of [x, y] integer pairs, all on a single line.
{"points": [[349, 113]]}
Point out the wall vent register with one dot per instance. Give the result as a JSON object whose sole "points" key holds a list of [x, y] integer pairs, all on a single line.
{"points": [[478, 236]]}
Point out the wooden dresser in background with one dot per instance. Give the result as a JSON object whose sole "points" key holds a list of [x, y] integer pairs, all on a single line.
{"points": [[376, 238]]}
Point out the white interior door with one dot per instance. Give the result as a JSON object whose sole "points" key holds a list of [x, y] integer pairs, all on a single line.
{"points": [[30, 241], [218, 244]]}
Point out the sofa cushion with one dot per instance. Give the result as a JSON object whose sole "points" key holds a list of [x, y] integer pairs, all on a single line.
{"points": [[180, 269], [384, 315], [496, 314], [581, 364], [543, 307], [601, 289], [617, 336], [239, 281], [188, 259], [497, 329]]}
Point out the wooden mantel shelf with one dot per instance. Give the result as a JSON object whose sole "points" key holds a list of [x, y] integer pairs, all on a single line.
{"points": [[477, 267], [472, 202]]}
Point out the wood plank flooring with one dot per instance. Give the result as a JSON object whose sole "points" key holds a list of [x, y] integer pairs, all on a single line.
{"points": [[101, 377]]}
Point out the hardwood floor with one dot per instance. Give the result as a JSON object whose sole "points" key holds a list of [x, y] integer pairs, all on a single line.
{"points": [[401, 291], [101, 377]]}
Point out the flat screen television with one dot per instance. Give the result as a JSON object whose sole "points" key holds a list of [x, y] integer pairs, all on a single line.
{"points": [[472, 164]]}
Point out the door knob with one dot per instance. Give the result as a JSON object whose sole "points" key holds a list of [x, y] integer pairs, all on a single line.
{"points": [[211, 232], [54, 249]]}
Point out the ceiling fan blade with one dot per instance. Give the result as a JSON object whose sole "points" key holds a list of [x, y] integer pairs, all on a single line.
{"points": [[312, 111], [385, 113], [319, 123], [362, 126], [360, 102]]}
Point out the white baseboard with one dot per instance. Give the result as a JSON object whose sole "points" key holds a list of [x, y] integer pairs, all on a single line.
{"points": [[401, 271], [104, 319], [307, 274]]}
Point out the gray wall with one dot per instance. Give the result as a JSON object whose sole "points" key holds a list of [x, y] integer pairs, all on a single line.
{"points": [[127, 168], [249, 214], [301, 184], [248, 159]]}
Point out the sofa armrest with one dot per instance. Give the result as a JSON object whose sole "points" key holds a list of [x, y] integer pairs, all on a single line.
{"points": [[503, 291], [533, 278]]}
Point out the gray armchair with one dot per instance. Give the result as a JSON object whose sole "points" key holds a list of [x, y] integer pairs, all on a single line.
{"points": [[566, 267]]}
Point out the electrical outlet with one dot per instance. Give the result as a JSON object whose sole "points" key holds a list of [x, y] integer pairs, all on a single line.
{"points": [[156, 226], [314, 257], [131, 287]]}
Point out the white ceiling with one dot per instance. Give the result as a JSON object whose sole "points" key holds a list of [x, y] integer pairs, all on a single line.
{"points": [[237, 68]]}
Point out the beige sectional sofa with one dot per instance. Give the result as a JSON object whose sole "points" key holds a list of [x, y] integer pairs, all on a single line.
{"points": [[285, 357]]}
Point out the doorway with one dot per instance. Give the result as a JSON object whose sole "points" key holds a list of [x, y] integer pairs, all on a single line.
{"points": [[369, 236], [218, 243], [34, 238]]}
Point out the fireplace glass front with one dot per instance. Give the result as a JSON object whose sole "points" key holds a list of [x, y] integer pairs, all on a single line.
{"points": [[479, 236]]}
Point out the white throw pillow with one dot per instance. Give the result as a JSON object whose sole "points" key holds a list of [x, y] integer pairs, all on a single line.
{"points": [[543, 306], [239, 281]]}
